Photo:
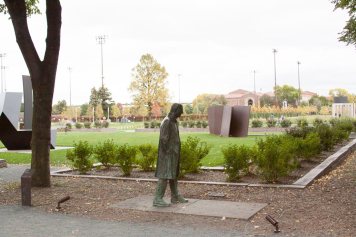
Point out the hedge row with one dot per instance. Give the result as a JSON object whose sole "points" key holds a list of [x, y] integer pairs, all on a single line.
{"points": [[97, 124], [126, 157], [277, 155], [271, 158], [184, 124]]}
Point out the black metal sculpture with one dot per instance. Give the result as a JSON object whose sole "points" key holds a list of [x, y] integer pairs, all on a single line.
{"points": [[10, 103]]}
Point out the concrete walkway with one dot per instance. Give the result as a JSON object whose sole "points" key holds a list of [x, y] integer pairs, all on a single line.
{"points": [[24, 221], [17, 221], [12, 173]]}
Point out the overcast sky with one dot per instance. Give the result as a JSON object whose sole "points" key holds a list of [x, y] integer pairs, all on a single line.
{"points": [[214, 44]]}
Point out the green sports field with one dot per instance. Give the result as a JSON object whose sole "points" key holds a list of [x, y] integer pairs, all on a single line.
{"points": [[214, 158]]}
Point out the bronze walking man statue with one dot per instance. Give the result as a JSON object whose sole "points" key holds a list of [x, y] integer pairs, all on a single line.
{"points": [[168, 158]]}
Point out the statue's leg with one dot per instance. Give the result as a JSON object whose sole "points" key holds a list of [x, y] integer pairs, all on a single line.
{"points": [[161, 189], [175, 196]]}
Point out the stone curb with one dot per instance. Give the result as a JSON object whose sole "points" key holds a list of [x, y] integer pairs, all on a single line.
{"points": [[301, 183], [327, 164]]}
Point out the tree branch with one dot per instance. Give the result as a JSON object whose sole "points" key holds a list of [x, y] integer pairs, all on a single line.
{"points": [[54, 23], [17, 11]]}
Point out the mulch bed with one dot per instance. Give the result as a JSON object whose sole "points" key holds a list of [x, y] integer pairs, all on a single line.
{"points": [[326, 208]]}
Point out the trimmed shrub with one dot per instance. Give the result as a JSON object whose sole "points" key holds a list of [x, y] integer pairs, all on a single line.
{"points": [[302, 122], [256, 123], [184, 124], [78, 125], [331, 135], [193, 150], [326, 136], [105, 124], [354, 125], [271, 123], [344, 124], [317, 122], [68, 126], [87, 124], [80, 156], [157, 124], [300, 132], [333, 121], [97, 124], [191, 123], [340, 135], [149, 154], [153, 124], [125, 157], [204, 124], [237, 160], [275, 157], [146, 124], [198, 124], [286, 123], [309, 147], [105, 153]]}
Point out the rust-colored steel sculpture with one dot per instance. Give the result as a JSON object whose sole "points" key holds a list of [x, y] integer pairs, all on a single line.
{"points": [[229, 121]]}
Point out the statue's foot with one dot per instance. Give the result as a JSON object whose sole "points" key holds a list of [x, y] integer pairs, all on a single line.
{"points": [[178, 199], [160, 203]]}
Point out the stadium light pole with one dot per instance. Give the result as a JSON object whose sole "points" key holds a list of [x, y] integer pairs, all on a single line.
{"points": [[101, 40], [300, 92], [179, 75], [70, 86], [275, 77]]}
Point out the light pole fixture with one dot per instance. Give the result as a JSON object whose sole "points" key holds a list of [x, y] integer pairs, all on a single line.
{"points": [[254, 85], [179, 75], [275, 77], [70, 85], [254, 81], [300, 92], [101, 40]]}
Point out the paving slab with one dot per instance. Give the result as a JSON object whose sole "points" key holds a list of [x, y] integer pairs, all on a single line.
{"points": [[216, 208]]}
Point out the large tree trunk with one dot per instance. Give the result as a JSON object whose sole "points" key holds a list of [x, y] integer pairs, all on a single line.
{"points": [[149, 111], [41, 135], [43, 75]]}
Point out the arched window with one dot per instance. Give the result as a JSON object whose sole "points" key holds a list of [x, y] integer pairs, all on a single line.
{"points": [[250, 102]]}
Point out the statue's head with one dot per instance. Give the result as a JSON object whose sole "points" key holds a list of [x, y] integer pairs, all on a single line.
{"points": [[176, 111]]}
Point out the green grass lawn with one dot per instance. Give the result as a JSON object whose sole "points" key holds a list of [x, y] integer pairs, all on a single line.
{"points": [[214, 158]]}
